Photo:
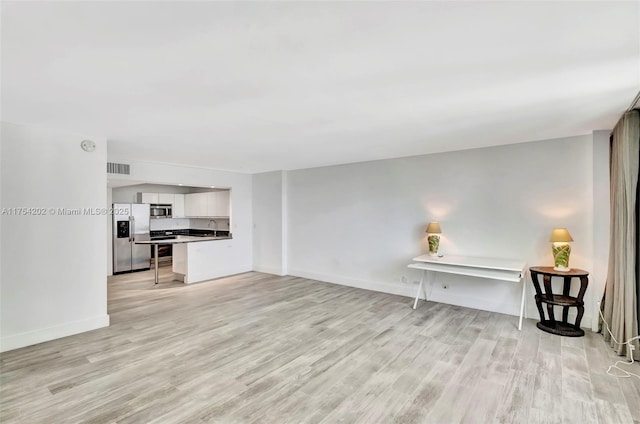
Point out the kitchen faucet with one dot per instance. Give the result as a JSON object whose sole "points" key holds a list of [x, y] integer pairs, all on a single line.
{"points": [[215, 226]]}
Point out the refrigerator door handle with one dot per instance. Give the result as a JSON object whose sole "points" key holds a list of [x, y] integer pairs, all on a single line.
{"points": [[133, 228]]}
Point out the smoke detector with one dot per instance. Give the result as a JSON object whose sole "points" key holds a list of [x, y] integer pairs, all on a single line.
{"points": [[88, 145]]}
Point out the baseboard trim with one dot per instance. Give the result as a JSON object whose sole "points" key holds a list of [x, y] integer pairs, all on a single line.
{"points": [[268, 270], [410, 291], [407, 290], [17, 341], [435, 295]]}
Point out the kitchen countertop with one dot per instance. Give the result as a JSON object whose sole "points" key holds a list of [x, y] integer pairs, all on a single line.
{"points": [[183, 239], [189, 232]]}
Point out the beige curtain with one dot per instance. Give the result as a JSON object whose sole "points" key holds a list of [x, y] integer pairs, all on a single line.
{"points": [[620, 300]]}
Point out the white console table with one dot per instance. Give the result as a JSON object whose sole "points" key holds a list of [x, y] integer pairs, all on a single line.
{"points": [[491, 268]]}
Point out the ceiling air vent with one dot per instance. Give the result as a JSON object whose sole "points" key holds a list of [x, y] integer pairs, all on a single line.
{"points": [[118, 168]]}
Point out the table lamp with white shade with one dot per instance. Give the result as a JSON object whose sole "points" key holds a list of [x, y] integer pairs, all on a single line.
{"points": [[433, 237], [561, 238]]}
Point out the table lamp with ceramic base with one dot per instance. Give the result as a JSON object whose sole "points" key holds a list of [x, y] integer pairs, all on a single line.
{"points": [[560, 238], [433, 237]]}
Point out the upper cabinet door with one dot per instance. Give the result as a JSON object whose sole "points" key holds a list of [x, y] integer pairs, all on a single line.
{"points": [[166, 198], [212, 203], [195, 204], [178, 206], [147, 197], [222, 203], [208, 204], [189, 207]]}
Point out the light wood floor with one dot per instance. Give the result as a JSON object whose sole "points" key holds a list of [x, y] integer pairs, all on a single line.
{"points": [[256, 348]]}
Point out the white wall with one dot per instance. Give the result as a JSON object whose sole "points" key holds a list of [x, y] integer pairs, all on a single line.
{"points": [[360, 224], [268, 223], [53, 269], [240, 260]]}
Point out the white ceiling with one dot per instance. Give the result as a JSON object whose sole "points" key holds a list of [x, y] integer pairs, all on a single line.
{"points": [[263, 86]]}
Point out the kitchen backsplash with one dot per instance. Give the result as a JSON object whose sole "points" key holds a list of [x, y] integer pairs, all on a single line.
{"points": [[209, 224], [168, 224], [189, 223]]}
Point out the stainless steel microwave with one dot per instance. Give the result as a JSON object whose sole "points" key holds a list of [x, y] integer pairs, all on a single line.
{"points": [[160, 211]]}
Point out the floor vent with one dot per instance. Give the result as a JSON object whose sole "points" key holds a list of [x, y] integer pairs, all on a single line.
{"points": [[118, 168]]}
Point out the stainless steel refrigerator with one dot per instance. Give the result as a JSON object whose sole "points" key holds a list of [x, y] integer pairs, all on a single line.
{"points": [[130, 223]]}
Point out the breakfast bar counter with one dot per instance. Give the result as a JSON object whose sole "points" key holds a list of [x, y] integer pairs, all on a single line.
{"points": [[193, 264]]}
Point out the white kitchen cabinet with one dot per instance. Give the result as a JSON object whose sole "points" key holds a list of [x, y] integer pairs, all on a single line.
{"points": [[212, 202], [166, 198], [222, 203], [147, 197], [218, 203], [178, 206], [209, 204], [196, 204]]}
